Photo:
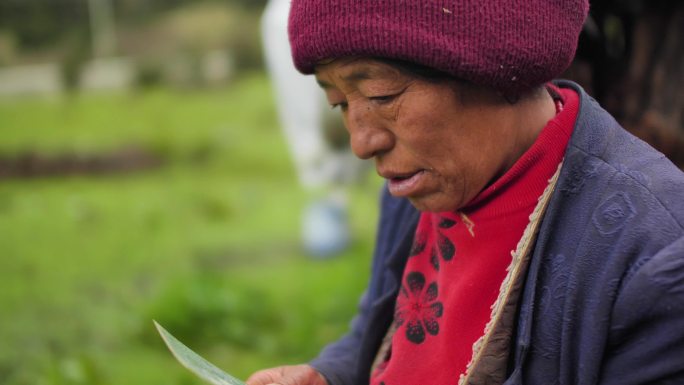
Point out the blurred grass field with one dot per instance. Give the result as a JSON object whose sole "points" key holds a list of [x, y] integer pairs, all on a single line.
{"points": [[206, 244]]}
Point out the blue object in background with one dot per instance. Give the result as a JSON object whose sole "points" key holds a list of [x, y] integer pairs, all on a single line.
{"points": [[325, 229]]}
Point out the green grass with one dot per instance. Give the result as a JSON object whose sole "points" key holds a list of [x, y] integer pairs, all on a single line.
{"points": [[207, 244]]}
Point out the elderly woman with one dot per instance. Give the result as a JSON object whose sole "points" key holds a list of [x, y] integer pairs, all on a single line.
{"points": [[524, 237]]}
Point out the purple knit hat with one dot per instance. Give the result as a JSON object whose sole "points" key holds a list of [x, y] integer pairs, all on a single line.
{"points": [[508, 45]]}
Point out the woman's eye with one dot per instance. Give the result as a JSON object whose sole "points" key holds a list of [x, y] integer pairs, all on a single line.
{"points": [[382, 99]]}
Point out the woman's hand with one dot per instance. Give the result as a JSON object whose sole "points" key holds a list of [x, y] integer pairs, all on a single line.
{"points": [[287, 375]]}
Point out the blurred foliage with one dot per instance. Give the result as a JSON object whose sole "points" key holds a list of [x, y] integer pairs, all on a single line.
{"points": [[8, 48], [207, 243], [141, 11], [39, 23], [74, 57], [155, 32], [197, 28]]}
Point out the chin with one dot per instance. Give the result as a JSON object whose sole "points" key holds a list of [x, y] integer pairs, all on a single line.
{"points": [[430, 204]]}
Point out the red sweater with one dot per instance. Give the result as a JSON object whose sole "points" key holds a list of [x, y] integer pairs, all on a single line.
{"points": [[459, 261]]}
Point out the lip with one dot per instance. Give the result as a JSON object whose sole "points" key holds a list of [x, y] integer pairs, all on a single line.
{"points": [[404, 184]]}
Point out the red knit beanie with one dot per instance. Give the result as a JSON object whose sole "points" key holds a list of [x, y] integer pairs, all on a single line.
{"points": [[508, 45]]}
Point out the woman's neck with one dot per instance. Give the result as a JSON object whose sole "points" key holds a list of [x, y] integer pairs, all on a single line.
{"points": [[526, 119]]}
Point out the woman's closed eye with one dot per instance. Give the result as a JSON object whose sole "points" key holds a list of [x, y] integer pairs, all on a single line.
{"points": [[383, 99]]}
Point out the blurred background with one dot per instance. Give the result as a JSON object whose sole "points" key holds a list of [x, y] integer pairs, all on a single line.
{"points": [[143, 175]]}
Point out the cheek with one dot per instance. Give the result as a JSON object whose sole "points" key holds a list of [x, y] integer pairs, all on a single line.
{"points": [[457, 164], [434, 140]]}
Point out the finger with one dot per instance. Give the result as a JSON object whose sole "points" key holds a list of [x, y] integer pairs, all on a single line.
{"points": [[262, 377]]}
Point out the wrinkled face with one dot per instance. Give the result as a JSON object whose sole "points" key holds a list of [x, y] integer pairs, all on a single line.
{"points": [[433, 142]]}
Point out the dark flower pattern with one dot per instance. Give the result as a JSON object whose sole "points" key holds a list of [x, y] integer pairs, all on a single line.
{"points": [[434, 258], [418, 309], [419, 243], [444, 247], [446, 223]]}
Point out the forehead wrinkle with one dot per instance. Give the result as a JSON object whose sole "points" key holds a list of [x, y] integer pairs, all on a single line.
{"points": [[353, 78], [357, 76], [354, 70], [364, 70]]}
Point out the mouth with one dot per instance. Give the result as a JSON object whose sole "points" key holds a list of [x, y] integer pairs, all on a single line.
{"points": [[404, 184]]}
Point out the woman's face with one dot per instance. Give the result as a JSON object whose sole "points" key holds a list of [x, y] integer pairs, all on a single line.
{"points": [[435, 143]]}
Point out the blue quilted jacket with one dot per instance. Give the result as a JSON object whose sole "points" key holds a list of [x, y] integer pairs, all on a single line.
{"points": [[603, 301]]}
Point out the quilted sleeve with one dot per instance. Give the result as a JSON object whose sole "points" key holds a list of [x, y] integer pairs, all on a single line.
{"points": [[646, 341]]}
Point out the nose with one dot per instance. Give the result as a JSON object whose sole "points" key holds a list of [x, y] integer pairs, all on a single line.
{"points": [[369, 137]]}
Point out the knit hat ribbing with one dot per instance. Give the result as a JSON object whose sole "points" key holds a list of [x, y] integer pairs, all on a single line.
{"points": [[508, 45]]}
